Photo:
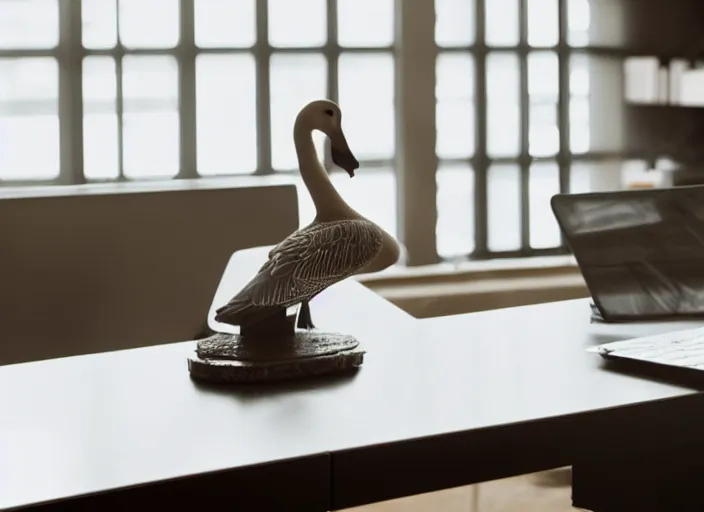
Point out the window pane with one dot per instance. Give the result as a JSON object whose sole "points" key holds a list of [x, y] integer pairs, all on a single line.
{"points": [[543, 79], [227, 117], [455, 105], [578, 22], [455, 129], [503, 135], [150, 131], [504, 219], [454, 22], [544, 136], [579, 125], [372, 192], [365, 22], [299, 23], [543, 90], [295, 81], [225, 23], [579, 178], [542, 22], [502, 22], [544, 183], [455, 76], [99, 84], [99, 23], [29, 94], [366, 84], [454, 230], [100, 150], [579, 104], [149, 23], [604, 175], [28, 79], [579, 75], [29, 24]]}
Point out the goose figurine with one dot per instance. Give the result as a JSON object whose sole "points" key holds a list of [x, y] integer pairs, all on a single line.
{"points": [[337, 244]]}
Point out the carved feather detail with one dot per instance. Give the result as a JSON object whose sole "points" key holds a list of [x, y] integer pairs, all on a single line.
{"points": [[303, 265]]}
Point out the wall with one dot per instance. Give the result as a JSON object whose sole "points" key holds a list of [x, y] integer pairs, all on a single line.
{"points": [[105, 268]]}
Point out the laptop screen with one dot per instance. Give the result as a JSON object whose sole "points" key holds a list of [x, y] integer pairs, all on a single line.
{"points": [[641, 252]]}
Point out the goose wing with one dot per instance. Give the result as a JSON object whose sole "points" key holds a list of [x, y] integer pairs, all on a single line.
{"points": [[307, 262]]}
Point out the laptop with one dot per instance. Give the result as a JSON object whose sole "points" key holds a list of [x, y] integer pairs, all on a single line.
{"points": [[641, 252]]}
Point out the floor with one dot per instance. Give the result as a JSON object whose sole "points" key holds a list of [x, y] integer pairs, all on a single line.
{"points": [[540, 492]]}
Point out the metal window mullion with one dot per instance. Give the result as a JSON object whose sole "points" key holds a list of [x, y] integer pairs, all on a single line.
{"points": [[26, 52], [524, 106], [416, 161], [70, 61], [332, 55], [563, 118], [186, 55], [480, 160], [262, 54], [297, 50], [120, 114], [119, 53], [589, 156], [564, 158]]}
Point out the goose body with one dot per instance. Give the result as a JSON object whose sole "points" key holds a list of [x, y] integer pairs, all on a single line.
{"points": [[337, 244]]}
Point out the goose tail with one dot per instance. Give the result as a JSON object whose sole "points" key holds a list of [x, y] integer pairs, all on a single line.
{"points": [[241, 314]]}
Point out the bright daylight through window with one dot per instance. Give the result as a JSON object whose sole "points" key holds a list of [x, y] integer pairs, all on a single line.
{"points": [[163, 89]]}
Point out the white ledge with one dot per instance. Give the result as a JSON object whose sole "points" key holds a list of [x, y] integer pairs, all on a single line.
{"points": [[424, 292], [484, 268], [155, 185]]}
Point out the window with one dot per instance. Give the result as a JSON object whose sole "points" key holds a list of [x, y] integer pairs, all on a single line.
{"points": [[114, 90], [520, 152]]}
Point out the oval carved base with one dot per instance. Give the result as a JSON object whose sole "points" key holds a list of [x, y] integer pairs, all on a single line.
{"points": [[232, 358]]}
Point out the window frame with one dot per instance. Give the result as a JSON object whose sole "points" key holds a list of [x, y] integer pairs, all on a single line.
{"points": [[415, 163]]}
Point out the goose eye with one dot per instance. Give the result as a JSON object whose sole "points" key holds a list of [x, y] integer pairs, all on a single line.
{"points": [[329, 112]]}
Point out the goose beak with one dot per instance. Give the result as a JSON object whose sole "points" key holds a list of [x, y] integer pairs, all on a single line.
{"points": [[341, 154]]}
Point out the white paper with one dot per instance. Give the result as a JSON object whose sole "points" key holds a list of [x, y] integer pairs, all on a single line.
{"points": [[684, 348]]}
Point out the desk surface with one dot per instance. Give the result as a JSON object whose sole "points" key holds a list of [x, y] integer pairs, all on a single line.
{"points": [[512, 389]]}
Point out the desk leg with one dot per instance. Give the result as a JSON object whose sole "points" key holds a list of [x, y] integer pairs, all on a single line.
{"points": [[663, 482], [475, 498]]}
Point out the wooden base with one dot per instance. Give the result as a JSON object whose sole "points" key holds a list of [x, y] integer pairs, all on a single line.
{"points": [[232, 358]]}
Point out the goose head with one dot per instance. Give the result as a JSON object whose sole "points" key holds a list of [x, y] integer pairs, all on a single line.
{"points": [[326, 116]]}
